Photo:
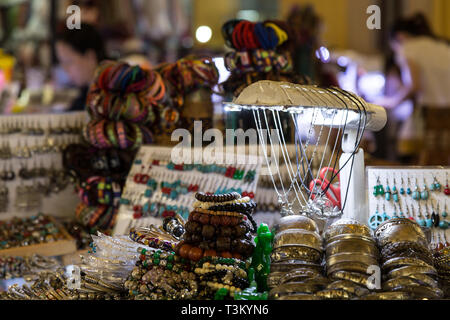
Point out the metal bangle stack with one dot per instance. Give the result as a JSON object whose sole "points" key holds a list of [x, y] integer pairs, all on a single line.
{"points": [[407, 262], [296, 270], [351, 253], [442, 264]]}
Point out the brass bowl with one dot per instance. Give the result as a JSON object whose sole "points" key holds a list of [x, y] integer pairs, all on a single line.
{"points": [[298, 237], [351, 257], [347, 226], [296, 222], [352, 244], [398, 230]]}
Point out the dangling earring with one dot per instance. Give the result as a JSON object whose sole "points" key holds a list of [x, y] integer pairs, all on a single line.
{"points": [[434, 216], [394, 215], [428, 220], [424, 194], [447, 189], [402, 215], [387, 194], [376, 219], [421, 220], [402, 190], [408, 189], [416, 193], [435, 186], [395, 192], [378, 189], [443, 224]]}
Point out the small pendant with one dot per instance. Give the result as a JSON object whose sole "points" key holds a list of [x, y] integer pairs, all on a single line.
{"points": [[443, 225]]}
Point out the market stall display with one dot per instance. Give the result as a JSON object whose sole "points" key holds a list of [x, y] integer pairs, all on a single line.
{"points": [[159, 185], [296, 259], [416, 193], [407, 262], [32, 174], [38, 234]]}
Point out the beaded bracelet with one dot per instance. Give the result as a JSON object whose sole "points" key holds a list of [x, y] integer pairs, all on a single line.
{"points": [[219, 213], [151, 241]]}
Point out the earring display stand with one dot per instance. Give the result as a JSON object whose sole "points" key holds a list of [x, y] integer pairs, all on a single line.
{"points": [[33, 142], [153, 162], [413, 199]]}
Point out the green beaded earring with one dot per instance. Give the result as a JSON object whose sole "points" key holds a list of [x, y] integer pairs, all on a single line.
{"points": [[378, 189]]}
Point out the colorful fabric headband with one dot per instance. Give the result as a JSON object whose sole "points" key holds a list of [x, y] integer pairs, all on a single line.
{"points": [[245, 35]]}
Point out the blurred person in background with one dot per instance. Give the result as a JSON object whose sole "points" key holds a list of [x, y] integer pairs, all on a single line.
{"points": [[424, 63], [79, 52]]}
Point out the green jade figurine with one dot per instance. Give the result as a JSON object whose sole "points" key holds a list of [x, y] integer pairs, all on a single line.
{"points": [[251, 293]]}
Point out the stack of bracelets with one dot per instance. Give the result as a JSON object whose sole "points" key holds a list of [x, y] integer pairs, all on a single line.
{"points": [[100, 217], [182, 78], [187, 75], [121, 102], [259, 53], [219, 226]]}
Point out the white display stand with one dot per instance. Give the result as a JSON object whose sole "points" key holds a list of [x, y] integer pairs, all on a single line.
{"points": [[207, 182], [406, 201]]}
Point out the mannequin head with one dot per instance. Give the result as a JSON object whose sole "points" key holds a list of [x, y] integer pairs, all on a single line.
{"points": [[79, 51]]}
